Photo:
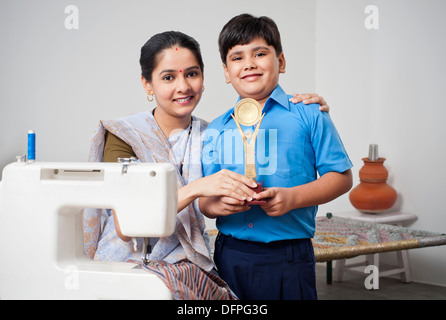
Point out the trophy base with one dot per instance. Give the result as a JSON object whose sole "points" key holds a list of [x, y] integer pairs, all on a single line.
{"points": [[257, 189]]}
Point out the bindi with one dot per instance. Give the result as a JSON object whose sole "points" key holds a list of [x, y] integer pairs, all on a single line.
{"points": [[176, 49]]}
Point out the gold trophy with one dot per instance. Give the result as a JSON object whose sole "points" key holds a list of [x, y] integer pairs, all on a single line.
{"points": [[248, 112]]}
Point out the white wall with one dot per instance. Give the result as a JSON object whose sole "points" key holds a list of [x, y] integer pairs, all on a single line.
{"points": [[383, 85], [386, 87], [61, 82]]}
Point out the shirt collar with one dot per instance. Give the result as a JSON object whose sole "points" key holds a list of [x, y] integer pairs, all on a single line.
{"points": [[278, 95]]}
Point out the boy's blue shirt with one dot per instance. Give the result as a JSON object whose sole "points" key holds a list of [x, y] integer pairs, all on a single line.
{"points": [[295, 142]]}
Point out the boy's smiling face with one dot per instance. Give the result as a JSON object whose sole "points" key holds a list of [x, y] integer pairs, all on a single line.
{"points": [[253, 69]]}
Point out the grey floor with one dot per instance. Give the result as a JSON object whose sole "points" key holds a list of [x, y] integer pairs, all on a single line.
{"points": [[352, 287]]}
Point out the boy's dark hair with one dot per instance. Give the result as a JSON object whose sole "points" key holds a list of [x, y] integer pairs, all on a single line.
{"points": [[165, 40], [244, 28]]}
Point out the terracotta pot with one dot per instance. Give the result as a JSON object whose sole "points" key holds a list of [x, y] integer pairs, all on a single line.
{"points": [[373, 194]]}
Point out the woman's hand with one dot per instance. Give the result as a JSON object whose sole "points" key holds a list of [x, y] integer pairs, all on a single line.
{"points": [[224, 183], [308, 98]]}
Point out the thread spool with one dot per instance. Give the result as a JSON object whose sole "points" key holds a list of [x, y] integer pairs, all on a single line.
{"points": [[31, 146]]}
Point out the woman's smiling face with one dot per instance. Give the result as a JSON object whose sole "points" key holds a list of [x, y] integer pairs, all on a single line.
{"points": [[177, 82]]}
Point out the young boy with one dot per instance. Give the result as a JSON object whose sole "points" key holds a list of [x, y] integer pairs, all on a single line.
{"points": [[265, 252]]}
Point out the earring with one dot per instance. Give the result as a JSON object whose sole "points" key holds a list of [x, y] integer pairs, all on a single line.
{"points": [[150, 97], [202, 90]]}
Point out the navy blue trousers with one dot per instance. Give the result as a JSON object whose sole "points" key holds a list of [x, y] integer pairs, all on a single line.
{"points": [[280, 270]]}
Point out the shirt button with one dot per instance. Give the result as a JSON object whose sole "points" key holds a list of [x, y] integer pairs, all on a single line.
{"points": [[250, 225]]}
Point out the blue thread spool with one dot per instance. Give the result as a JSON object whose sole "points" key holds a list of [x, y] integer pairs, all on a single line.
{"points": [[31, 145]]}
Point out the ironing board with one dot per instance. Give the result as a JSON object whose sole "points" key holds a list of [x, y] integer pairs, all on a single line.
{"points": [[341, 238]]}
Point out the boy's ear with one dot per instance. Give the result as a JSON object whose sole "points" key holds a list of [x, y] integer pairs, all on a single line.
{"points": [[282, 63], [225, 69]]}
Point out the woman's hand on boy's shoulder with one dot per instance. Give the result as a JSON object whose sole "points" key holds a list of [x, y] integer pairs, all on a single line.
{"points": [[308, 98]]}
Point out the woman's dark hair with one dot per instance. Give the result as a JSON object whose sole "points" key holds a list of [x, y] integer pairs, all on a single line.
{"points": [[244, 28], [162, 41]]}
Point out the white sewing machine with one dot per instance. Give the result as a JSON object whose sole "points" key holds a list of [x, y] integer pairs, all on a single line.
{"points": [[41, 237]]}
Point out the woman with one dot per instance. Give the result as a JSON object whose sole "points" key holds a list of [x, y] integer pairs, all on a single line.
{"points": [[172, 72]]}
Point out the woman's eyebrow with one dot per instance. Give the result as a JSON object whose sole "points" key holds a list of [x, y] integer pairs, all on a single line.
{"points": [[172, 70], [192, 68]]}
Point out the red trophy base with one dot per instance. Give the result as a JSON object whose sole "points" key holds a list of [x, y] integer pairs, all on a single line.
{"points": [[257, 189]]}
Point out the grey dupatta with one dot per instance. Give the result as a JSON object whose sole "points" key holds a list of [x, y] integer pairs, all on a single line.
{"points": [[143, 134]]}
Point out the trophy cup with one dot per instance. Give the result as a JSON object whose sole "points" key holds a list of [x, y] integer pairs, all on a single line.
{"points": [[248, 112]]}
